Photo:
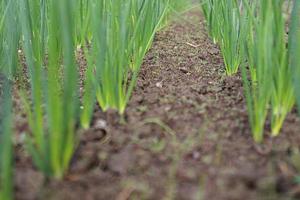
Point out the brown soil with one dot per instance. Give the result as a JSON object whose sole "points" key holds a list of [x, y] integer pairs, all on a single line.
{"points": [[186, 136]]}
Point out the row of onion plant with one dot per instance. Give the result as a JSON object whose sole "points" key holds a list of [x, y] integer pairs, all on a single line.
{"points": [[123, 33], [225, 24], [270, 88], [114, 35], [252, 34]]}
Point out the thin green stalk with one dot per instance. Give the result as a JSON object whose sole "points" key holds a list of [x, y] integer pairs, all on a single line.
{"points": [[83, 18], [9, 37], [283, 92], [209, 9], [256, 78], [294, 48], [50, 56], [232, 34]]}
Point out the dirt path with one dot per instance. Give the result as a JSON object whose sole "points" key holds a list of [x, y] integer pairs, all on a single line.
{"points": [[186, 136]]}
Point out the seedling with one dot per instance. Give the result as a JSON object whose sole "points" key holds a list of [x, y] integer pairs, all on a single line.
{"points": [[122, 34], [257, 78], [52, 114], [283, 98]]}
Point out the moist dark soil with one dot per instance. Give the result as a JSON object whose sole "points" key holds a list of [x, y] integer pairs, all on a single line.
{"points": [[186, 136]]}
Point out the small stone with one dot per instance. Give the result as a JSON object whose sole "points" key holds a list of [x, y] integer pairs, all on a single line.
{"points": [[101, 124], [167, 108], [159, 84], [196, 155]]}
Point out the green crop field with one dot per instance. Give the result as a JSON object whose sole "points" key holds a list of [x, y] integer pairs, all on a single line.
{"points": [[129, 71]]}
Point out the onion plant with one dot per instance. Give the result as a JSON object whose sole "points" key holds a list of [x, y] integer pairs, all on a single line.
{"points": [[49, 47], [283, 98], [257, 77], [82, 25], [122, 32], [255, 30], [232, 33], [8, 62], [294, 48], [9, 36], [268, 83], [209, 12], [225, 21], [5, 139]]}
